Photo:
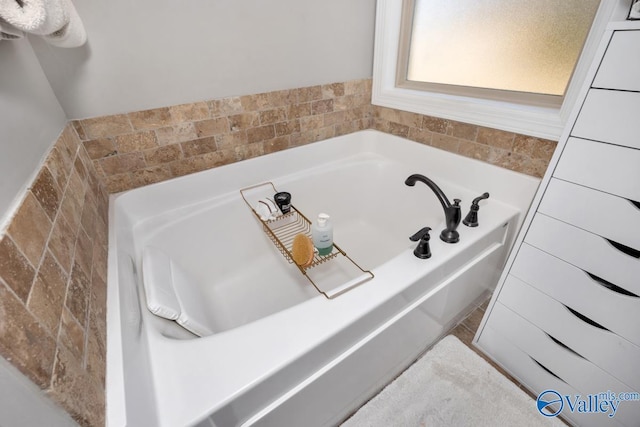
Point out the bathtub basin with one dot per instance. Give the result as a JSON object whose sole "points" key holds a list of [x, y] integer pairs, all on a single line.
{"points": [[279, 352]]}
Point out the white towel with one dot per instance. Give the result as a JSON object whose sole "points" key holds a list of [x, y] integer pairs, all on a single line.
{"points": [[9, 32], [267, 209], [635, 11], [39, 17], [70, 35]]}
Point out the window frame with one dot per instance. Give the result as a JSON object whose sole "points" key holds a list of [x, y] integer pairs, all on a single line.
{"points": [[542, 121]]}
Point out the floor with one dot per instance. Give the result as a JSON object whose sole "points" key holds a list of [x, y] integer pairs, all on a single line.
{"points": [[466, 330]]}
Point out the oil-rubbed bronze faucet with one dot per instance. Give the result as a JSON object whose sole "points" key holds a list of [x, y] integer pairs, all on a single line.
{"points": [[452, 213], [471, 220], [422, 251]]}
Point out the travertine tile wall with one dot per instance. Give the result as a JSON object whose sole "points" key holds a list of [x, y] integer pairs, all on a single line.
{"points": [[143, 147], [139, 148], [53, 258], [509, 150], [53, 271]]}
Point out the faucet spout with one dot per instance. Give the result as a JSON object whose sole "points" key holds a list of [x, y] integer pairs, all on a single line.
{"points": [[411, 181], [452, 212]]}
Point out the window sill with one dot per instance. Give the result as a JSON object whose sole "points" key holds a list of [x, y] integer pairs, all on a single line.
{"points": [[542, 122]]}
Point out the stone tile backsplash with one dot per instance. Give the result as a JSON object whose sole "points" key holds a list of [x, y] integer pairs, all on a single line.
{"points": [[53, 257], [525, 154], [53, 271], [143, 147]]}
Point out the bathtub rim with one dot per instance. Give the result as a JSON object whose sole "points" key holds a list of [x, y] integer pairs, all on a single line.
{"points": [[472, 176]]}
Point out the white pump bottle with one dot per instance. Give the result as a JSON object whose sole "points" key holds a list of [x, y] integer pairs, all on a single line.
{"points": [[322, 232]]}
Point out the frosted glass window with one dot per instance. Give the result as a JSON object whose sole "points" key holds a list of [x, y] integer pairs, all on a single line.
{"points": [[525, 46]]}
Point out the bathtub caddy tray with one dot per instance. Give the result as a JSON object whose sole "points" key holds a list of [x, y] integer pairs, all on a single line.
{"points": [[329, 278]]}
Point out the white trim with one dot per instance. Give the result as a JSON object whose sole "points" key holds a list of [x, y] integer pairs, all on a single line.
{"points": [[544, 122]]}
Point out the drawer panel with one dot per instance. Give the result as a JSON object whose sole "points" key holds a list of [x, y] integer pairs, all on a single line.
{"points": [[595, 211], [522, 367], [585, 250], [609, 116], [579, 373], [574, 288], [604, 167], [602, 347], [620, 66]]}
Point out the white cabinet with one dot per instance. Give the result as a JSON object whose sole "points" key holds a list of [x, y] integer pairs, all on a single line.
{"points": [[562, 361], [564, 323], [588, 251], [610, 307], [600, 212], [621, 67], [534, 375], [566, 312], [599, 121], [605, 167]]}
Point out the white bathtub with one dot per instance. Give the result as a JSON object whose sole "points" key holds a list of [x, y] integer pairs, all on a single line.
{"points": [[281, 354]]}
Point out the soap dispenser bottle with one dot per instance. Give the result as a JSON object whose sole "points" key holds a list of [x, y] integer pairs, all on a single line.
{"points": [[322, 232]]}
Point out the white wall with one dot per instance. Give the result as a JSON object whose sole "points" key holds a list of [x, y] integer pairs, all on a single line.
{"points": [[149, 53], [23, 404], [30, 121]]}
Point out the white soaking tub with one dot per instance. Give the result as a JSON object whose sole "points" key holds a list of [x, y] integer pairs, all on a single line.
{"points": [[279, 353]]}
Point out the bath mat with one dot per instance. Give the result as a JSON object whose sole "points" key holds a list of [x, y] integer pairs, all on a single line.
{"points": [[450, 386]]}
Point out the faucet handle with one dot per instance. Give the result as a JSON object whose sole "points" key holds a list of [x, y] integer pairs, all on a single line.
{"points": [[477, 199], [471, 220], [422, 251], [420, 234], [456, 202]]}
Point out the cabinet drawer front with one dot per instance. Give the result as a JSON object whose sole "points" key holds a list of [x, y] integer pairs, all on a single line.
{"points": [[585, 250], [609, 116], [595, 211], [604, 167], [602, 347], [574, 288], [579, 373], [620, 66], [522, 367]]}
